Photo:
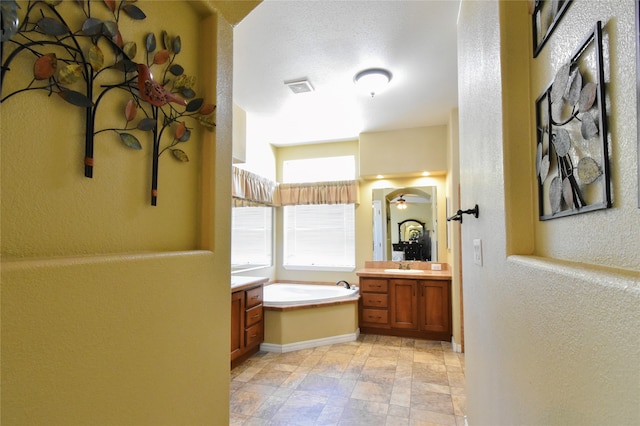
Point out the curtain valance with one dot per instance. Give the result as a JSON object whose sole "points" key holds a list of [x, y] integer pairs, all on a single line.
{"points": [[336, 192], [250, 189]]}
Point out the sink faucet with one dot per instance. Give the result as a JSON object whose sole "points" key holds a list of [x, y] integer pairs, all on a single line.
{"points": [[405, 266], [346, 284]]}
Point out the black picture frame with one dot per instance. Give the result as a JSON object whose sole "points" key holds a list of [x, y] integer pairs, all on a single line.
{"points": [[572, 136], [545, 17]]}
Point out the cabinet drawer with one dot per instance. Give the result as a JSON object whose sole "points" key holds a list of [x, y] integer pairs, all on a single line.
{"points": [[253, 315], [254, 297], [253, 335], [374, 285], [375, 316], [374, 300]]}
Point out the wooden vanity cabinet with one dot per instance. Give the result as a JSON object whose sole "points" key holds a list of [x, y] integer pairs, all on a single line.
{"points": [[435, 306], [374, 303], [247, 323], [406, 307], [404, 304]]}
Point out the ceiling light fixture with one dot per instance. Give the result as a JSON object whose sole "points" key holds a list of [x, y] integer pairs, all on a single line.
{"points": [[372, 80], [401, 204]]}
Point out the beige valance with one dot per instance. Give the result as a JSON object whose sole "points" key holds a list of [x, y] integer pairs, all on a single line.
{"points": [[250, 189], [336, 192]]}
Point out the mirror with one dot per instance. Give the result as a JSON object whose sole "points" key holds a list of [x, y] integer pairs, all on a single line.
{"points": [[405, 223], [410, 230]]}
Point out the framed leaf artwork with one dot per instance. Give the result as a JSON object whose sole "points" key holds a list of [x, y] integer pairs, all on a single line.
{"points": [[545, 17], [572, 154]]}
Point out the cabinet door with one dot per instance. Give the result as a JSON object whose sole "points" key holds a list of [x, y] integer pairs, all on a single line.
{"points": [[404, 304], [435, 306], [237, 323]]}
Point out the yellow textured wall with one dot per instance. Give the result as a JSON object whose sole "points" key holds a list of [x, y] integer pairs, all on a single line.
{"points": [[113, 311], [403, 152], [552, 338], [299, 325], [116, 339], [51, 209]]}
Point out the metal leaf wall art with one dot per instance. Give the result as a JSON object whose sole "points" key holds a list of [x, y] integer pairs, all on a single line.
{"points": [[545, 14], [85, 63], [572, 155]]}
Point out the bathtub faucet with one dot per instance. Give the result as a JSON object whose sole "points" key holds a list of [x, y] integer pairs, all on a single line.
{"points": [[346, 284]]}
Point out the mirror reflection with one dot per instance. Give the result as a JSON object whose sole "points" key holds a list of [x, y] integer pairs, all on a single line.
{"points": [[405, 223]]}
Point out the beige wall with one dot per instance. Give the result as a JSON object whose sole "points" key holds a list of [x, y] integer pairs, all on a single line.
{"points": [[292, 326], [113, 311], [239, 135], [403, 152], [551, 319], [452, 186], [364, 218]]}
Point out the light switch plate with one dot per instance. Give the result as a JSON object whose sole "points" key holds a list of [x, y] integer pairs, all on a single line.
{"points": [[477, 251], [436, 267]]}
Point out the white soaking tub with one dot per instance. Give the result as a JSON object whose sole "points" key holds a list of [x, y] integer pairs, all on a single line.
{"points": [[281, 294], [300, 316]]}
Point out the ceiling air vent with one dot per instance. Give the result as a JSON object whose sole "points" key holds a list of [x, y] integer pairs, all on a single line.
{"points": [[299, 86]]}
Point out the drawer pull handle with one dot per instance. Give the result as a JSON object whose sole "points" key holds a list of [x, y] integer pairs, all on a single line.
{"points": [[256, 316]]}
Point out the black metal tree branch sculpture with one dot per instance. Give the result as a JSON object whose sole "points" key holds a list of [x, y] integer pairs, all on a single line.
{"points": [[67, 59]]}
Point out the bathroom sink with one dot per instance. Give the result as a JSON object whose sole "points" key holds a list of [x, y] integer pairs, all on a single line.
{"points": [[404, 271]]}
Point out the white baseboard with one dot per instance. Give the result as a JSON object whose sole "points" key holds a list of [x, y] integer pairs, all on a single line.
{"points": [[307, 344], [456, 347]]}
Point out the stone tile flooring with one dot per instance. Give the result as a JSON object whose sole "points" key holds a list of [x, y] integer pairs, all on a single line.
{"points": [[376, 380]]}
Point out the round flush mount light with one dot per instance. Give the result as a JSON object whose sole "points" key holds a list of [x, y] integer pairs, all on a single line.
{"points": [[372, 80]]}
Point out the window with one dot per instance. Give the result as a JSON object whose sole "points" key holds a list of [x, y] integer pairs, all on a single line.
{"points": [[324, 169], [319, 236], [251, 237]]}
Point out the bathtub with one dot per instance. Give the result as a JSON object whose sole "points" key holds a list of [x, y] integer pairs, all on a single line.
{"points": [[280, 294], [301, 316]]}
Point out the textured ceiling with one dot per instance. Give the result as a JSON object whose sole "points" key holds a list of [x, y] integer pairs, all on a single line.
{"points": [[328, 42]]}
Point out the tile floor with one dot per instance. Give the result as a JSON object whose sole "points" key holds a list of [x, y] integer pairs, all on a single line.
{"points": [[376, 380]]}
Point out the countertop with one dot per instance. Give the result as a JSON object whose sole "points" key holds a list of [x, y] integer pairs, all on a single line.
{"points": [[241, 282], [423, 274]]}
